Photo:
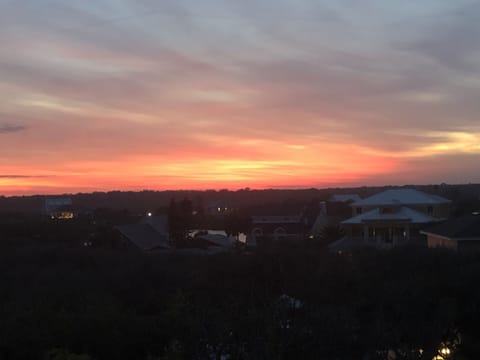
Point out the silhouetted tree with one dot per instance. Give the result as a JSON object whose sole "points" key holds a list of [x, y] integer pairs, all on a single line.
{"points": [[237, 222], [311, 212], [199, 210], [180, 220], [186, 213]]}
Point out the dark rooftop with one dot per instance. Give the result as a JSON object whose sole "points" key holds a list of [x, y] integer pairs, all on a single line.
{"points": [[464, 227], [144, 236]]}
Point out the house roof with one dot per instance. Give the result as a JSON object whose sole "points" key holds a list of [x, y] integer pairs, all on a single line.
{"points": [[402, 197], [159, 223], [403, 214], [58, 203], [144, 236], [464, 227], [345, 198], [217, 239]]}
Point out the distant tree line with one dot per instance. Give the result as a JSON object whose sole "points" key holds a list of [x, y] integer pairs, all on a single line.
{"points": [[461, 195]]}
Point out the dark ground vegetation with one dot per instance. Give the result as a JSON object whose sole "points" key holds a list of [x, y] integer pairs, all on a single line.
{"points": [[57, 301], [61, 300]]}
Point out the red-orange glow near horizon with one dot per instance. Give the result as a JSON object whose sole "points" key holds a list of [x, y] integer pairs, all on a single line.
{"points": [[289, 165]]}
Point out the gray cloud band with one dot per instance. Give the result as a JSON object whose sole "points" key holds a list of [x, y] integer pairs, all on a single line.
{"points": [[8, 128]]}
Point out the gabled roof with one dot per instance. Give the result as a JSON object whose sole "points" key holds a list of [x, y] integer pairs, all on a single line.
{"points": [[217, 239], [159, 223], [464, 227], [402, 197], [404, 214], [144, 236]]}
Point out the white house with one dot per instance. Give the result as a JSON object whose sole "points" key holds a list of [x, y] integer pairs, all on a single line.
{"points": [[394, 217]]}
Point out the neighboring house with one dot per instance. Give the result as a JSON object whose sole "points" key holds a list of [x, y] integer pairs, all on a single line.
{"points": [[461, 234], [159, 223], [277, 227], [150, 234], [59, 208], [276, 223], [394, 217], [333, 212]]}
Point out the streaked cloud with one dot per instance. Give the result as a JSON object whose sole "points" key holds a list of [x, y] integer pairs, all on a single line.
{"points": [[10, 128], [167, 93], [9, 176]]}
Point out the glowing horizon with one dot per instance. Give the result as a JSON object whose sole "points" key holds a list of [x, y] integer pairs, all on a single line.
{"points": [[133, 95]]}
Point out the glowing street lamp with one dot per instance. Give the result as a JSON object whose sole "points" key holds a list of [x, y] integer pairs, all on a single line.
{"points": [[445, 351]]}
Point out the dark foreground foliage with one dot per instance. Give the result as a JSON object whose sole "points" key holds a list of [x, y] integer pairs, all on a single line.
{"points": [[65, 303]]}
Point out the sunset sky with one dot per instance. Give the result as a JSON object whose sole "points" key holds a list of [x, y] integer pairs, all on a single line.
{"points": [[189, 94]]}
